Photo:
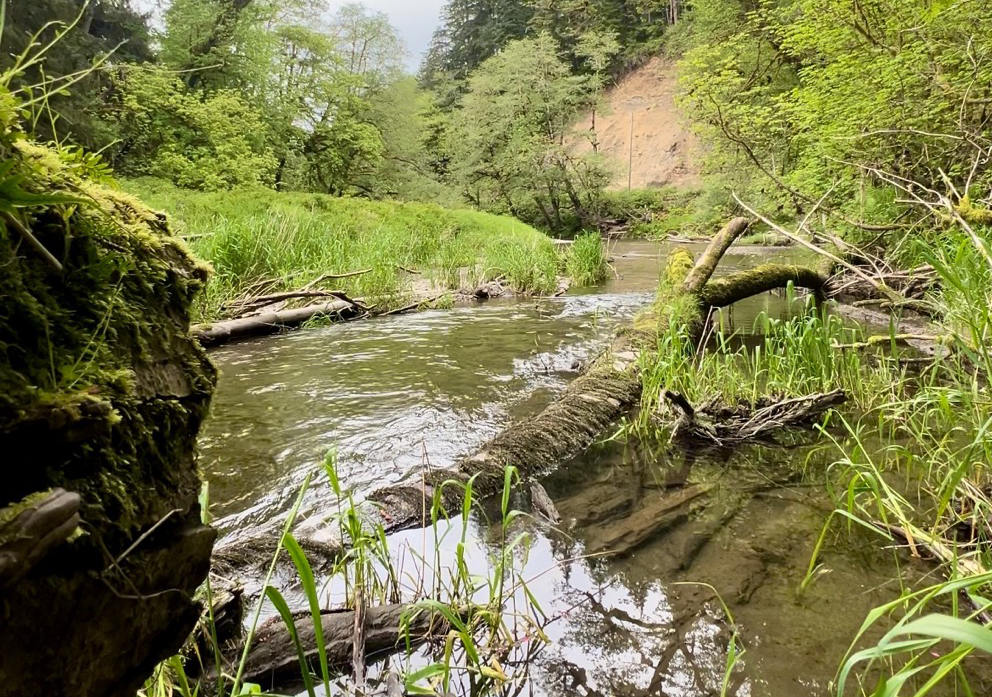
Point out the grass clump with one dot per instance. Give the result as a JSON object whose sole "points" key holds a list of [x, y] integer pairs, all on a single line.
{"points": [[586, 260], [282, 241]]}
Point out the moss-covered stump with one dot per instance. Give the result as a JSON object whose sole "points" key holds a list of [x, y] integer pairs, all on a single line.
{"points": [[102, 393]]}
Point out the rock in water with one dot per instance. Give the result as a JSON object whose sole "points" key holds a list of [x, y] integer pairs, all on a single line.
{"points": [[102, 393]]}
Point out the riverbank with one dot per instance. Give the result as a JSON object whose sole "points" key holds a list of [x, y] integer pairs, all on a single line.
{"points": [[388, 254]]}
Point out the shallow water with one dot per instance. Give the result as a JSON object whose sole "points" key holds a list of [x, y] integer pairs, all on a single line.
{"points": [[391, 393], [394, 393]]}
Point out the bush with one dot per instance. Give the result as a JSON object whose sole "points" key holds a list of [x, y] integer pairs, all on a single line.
{"points": [[210, 142]]}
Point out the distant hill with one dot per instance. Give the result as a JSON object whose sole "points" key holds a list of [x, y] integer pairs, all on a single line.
{"points": [[664, 147]]}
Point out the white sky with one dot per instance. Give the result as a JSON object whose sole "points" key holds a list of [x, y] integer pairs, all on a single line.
{"points": [[415, 20]]}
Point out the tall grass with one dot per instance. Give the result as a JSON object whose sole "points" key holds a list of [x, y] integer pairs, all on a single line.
{"points": [[277, 241], [586, 260], [784, 358], [483, 612], [915, 469]]}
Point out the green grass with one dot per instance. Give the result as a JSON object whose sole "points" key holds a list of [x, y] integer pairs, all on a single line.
{"points": [[586, 260], [285, 241]]}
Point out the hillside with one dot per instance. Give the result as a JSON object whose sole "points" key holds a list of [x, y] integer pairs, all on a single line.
{"points": [[664, 148]]}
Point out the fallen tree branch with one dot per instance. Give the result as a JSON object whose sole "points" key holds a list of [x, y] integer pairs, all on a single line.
{"points": [[269, 323], [726, 425]]}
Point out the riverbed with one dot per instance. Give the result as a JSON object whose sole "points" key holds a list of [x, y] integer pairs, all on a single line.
{"points": [[619, 585]]}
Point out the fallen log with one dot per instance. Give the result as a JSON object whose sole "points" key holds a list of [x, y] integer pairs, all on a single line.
{"points": [[273, 659], [244, 306], [270, 322], [725, 425]]}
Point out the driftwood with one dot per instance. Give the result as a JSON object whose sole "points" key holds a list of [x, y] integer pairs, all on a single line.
{"points": [[273, 659], [271, 322], [31, 529], [724, 425], [245, 306]]}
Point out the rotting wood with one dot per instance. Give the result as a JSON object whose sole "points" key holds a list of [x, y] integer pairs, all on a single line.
{"points": [[270, 322]]}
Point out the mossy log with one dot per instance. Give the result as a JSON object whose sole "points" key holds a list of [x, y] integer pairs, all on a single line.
{"points": [[102, 392]]}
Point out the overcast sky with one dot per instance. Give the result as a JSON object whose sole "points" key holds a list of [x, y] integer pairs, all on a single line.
{"points": [[415, 20]]}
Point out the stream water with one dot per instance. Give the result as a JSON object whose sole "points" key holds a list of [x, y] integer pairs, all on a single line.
{"points": [[394, 393]]}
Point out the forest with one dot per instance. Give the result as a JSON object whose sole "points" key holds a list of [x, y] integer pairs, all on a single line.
{"points": [[520, 425]]}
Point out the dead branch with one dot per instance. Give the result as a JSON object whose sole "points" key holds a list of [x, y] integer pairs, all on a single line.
{"points": [[334, 276], [726, 425]]}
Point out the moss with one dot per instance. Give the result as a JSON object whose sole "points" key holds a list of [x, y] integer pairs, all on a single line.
{"points": [[975, 215], [99, 380]]}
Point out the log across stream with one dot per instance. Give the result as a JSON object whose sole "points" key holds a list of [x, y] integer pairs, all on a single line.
{"points": [[395, 394]]}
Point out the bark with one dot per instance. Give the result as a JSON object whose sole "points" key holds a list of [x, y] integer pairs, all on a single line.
{"points": [[730, 289], [704, 268], [270, 322]]}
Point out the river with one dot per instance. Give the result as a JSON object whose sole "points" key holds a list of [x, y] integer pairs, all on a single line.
{"points": [[396, 394]]}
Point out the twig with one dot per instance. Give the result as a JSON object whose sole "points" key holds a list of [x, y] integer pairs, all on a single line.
{"points": [[33, 241], [413, 306], [330, 276]]}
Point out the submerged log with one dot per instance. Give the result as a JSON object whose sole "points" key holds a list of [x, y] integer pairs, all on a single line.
{"points": [[273, 658], [271, 322]]}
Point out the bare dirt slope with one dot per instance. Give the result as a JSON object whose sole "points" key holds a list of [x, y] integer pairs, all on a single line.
{"points": [[663, 146]]}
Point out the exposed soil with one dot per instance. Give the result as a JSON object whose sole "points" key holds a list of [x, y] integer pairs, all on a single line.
{"points": [[665, 151]]}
